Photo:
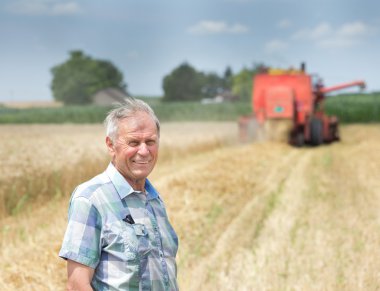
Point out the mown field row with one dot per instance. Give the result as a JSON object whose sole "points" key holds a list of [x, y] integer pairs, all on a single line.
{"points": [[353, 108]]}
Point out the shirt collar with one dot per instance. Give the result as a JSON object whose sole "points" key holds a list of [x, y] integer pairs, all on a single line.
{"points": [[150, 190], [123, 188]]}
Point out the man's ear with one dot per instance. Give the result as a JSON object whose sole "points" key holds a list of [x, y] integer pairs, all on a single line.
{"points": [[109, 144]]}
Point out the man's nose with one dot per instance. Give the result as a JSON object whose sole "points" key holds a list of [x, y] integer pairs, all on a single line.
{"points": [[143, 149]]}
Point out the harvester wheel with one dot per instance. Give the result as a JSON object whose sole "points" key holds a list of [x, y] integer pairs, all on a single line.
{"points": [[316, 131]]}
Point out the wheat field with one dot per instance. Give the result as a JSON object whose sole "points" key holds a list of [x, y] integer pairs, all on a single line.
{"points": [[260, 216]]}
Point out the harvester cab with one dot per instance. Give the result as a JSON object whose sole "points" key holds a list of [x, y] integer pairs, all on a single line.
{"points": [[288, 106]]}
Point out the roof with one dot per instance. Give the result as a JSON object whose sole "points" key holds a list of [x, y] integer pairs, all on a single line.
{"points": [[110, 96]]}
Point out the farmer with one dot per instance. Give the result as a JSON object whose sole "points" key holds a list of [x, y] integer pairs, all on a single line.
{"points": [[118, 235]]}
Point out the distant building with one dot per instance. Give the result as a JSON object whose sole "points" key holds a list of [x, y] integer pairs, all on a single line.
{"points": [[109, 96], [225, 96]]}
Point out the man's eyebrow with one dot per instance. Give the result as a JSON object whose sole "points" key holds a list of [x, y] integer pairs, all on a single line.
{"points": [[134, 138]]}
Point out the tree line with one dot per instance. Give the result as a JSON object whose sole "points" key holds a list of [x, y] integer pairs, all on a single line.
{"points": [[77, 79]]}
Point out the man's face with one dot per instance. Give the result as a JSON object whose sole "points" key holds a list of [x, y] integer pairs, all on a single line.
{"points": [[135, 150]]}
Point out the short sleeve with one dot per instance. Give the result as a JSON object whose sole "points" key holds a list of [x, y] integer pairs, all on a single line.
{"points": [[81, 242]]}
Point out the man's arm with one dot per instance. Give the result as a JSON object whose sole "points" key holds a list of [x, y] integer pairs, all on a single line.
{"points": [[79, 276]]}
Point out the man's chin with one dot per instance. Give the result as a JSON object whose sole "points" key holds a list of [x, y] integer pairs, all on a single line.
{"points": [[141, 174]]}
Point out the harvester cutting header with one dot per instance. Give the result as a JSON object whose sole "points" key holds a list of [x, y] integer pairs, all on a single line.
{"points": [[288, 101]]}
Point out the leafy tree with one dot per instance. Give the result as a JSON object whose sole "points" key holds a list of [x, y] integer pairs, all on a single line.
{"points": [[242, 81], [77, 79], [228, 78], [212, 85], [182, 84], [242, 84]]}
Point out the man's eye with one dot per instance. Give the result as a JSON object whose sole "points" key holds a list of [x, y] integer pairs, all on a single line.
{"points": [[151, 142], [133, 143]]}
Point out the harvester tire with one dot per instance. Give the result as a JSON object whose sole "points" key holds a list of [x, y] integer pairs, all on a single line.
{"points": [[316, 132]]}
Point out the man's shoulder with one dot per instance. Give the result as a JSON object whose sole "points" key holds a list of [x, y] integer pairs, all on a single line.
{"points": [[92, 187]]}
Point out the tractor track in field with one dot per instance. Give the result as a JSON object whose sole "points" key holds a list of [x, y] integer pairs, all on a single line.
{"points": [[311, 223], [244, 231]]}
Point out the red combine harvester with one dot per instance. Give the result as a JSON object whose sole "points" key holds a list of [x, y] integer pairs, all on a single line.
{"points": [[287, 100]]}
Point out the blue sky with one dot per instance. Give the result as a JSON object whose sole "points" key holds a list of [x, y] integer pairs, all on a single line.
{"points": [[147, 39]]}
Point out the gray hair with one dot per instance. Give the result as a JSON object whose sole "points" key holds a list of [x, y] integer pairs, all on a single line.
{"points": [[127, 109]]}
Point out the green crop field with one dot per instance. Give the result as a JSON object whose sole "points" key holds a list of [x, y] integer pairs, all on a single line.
{"points": [[173, 111], [352, 108], [355, 108]]}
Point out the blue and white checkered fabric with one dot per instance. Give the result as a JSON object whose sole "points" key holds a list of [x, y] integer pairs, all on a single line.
{"points": [[135, 255]]}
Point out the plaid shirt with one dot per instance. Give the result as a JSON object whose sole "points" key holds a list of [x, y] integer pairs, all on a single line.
{"points": [[123, 234]]}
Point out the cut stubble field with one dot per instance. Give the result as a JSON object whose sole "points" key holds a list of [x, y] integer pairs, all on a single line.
{"points": [[260, 216]]}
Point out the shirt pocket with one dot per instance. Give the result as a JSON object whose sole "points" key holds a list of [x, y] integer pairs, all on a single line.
{"points": [[125, 240]]}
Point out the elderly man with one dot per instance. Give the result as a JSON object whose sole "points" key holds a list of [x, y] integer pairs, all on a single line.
{"points": [[118, 235]]}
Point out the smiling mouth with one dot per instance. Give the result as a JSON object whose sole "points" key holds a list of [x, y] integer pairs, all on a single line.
{"points": [[141, 162]]}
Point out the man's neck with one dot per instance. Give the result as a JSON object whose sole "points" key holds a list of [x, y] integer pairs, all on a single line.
{"points": [[137, 185]]}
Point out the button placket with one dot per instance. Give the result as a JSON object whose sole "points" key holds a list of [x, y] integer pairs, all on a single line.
{"points": [[158, 241]]}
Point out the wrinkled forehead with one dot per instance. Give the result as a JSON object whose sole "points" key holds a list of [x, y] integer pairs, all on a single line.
{"points": [[140, 123]]}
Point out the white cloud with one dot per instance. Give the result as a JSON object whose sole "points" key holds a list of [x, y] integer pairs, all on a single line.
{"points": [[44, 7], [320, 31], [354, 29], [275, 46], [284, 23], [217, 27], [324, 35], [65, 8]]}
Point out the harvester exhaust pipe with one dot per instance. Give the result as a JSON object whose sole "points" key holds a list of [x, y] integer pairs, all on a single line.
{"points": [[303, 67]]}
